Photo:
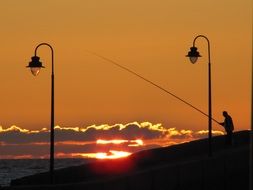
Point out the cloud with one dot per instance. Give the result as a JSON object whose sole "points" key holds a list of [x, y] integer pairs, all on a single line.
{"points": [[132, 137], [203, 133], [146, 130]]}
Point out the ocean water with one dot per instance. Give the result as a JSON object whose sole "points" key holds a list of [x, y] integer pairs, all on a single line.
{"points": [[12, 169]]}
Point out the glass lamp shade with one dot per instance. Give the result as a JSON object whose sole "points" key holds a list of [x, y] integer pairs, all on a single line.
{"points": [[193, 59], [35, 70]]}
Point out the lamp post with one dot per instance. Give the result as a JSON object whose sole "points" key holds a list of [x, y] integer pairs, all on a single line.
{"points": [[193, 55], [251, 131], [35, 65]]}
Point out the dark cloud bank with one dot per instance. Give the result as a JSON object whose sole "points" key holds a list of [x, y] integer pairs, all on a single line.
{"points": [[15, 141]]}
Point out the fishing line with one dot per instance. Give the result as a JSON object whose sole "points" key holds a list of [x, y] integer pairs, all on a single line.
{"points": [[152, 83]]}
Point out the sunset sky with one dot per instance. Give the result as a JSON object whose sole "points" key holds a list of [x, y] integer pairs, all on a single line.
{"points": [[150, 37]]}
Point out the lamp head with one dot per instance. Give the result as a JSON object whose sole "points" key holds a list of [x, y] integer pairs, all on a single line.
{"points": [[193, 54], [35, 65]]}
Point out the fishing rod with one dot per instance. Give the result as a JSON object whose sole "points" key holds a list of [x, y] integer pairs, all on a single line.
{"points": [[152, 83]]}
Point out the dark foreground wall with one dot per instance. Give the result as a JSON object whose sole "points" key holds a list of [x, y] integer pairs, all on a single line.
{"points": [[222, 172]]}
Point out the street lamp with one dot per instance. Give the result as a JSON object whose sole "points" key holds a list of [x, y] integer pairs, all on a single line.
{"points": [[35, 65], [193, 55]]}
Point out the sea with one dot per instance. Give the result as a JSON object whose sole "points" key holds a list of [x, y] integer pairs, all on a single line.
{"points": [[17, 168]]}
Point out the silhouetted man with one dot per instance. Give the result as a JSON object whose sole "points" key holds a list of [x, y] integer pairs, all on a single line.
{"points": [[229, 127]]}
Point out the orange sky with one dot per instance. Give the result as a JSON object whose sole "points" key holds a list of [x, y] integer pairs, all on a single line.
{"points": [[150, 37]]}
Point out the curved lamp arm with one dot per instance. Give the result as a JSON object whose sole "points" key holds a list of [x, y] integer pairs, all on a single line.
{"points": [[52, 53], [208, 43]]}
